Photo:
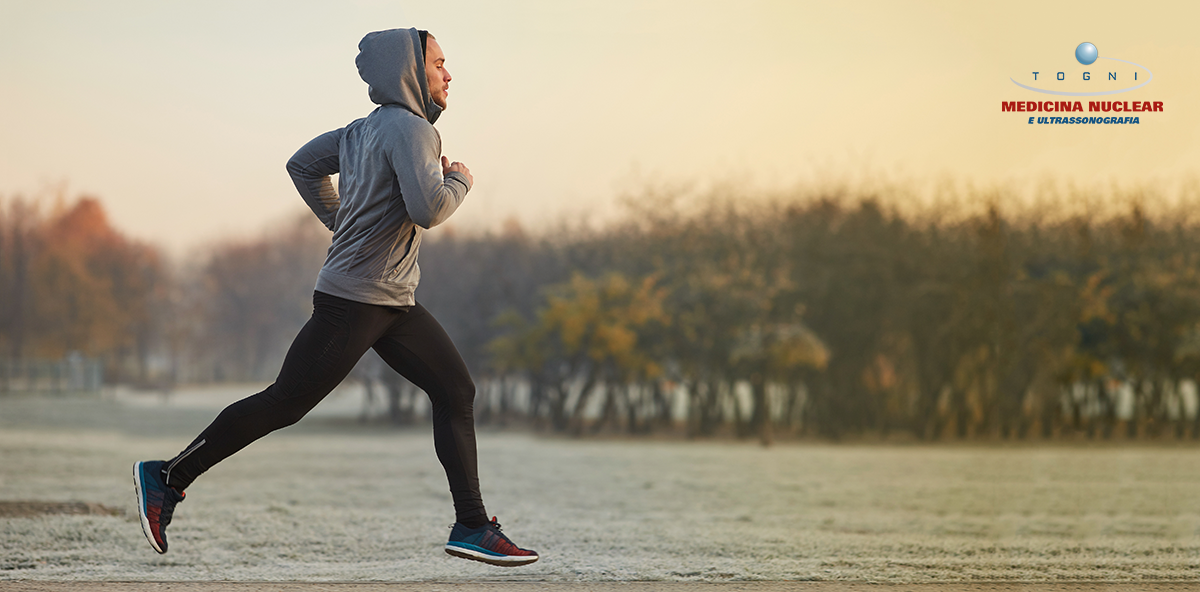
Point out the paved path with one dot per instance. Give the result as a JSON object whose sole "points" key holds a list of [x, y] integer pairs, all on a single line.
{"points": [[31, 586]]}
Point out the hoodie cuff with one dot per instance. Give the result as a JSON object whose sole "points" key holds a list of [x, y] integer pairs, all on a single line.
{"points": [[461, 178]]}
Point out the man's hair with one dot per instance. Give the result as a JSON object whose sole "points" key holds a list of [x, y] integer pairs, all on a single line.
{"points": [[424, 35]]}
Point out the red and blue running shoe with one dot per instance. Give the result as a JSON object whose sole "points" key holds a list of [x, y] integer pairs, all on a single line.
{"points": [[487, 544], [156, 502]]}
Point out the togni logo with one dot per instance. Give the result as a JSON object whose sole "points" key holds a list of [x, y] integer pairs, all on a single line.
{"points": [[1090, 79]]}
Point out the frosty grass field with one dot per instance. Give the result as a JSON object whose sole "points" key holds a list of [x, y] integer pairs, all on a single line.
{"points": [[328, 500]]}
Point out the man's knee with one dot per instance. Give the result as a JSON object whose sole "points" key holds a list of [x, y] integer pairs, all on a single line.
{"points": [[462, 396], [458, 398], [468, 389], [292, 414], [287, 407]]}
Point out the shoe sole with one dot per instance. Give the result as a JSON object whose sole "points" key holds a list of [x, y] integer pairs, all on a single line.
{"points": [[141, 504], [502, 560]]}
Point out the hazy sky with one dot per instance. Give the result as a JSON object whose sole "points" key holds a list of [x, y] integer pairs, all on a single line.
{"points": [[181, 116]]}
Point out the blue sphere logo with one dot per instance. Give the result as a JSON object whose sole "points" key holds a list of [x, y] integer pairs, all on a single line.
{"points": [[1086, 53]]}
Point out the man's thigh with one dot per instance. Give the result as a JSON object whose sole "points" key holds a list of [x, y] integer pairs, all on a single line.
{"points": [[420, 350]]}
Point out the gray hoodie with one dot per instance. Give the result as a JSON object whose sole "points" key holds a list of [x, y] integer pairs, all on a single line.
{"points": [[390, 186]]}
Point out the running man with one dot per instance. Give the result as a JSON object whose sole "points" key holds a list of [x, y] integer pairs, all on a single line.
{"points": [[393, 184]]}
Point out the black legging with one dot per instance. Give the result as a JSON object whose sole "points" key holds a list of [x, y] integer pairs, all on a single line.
{"points": [[409, 339]]}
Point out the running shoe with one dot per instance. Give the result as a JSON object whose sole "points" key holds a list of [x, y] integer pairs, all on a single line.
{"points": [[156, 502], [487, 544]]}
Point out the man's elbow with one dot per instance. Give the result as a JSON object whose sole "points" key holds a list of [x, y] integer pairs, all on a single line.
{"points": [[433, 211], [425, 220], [295, 169]]}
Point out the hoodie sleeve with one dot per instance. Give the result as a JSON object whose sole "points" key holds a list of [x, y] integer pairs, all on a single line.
{"points": [[429, 197], [310, 168]]}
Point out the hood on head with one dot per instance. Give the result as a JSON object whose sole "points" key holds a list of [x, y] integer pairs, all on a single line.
{"points": [[393, 66]]}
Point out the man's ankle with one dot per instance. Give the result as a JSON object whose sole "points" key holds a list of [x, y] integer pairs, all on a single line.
{"points": [[473, 522]]}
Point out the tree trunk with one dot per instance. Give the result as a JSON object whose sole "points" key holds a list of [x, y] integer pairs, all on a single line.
{"points": [[760, 416]]}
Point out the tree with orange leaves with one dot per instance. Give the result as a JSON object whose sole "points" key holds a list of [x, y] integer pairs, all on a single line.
{"points": [[76, 284]]}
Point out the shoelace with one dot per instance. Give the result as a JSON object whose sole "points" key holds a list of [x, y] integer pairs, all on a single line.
{"points": [[164, 516]]}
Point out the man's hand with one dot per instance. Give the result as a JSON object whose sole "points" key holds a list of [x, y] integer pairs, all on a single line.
{"points": [[456, 167]]}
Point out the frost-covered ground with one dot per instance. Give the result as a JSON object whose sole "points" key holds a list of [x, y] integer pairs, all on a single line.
{"points": [[330, 501]]}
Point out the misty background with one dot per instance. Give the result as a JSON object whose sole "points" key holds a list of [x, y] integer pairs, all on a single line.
{"points": [[827, 315], [765, 220]]}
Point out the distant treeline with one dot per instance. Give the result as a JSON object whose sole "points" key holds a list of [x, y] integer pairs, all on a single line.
{"points": [[830, 317]]}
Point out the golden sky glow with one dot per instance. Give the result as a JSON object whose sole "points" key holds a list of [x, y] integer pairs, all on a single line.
{"points": [[181, 116]]}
